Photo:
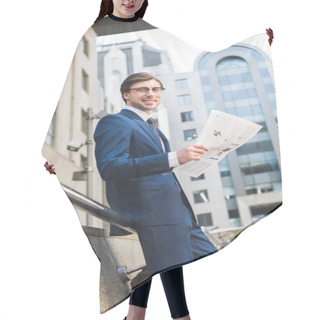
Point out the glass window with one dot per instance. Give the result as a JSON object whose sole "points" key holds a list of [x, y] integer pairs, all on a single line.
{"points": [[240, 94], [224, 167], [151, 58], [190, 134], [200, 196], [208, 96], [256, 157], [261, 178], [205, 81], [277, 185], [232, 204], [248, 179], [223, 80], [84, 122], [227, 96], [231, 62], [275, 176], [187, 116], [128, 53], [246, 77], [264, 72], [271, 155], [233, 111], [210, 105], [184, 99], [259, 167], [263, 209], [207, 88], [244, 111], [227, 181], [85, 81], [234, 213], [251, 92], [269, 88], [205, 219], [201, 177], [256, 109], [229, 192], [243, 158], [263, 136], [259, 188], [255, 147], [235, 78], [181, 83], [83, 161], [85, 46]]}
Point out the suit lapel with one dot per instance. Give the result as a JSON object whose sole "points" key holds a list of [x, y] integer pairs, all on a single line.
{"points": [[165, 141], [145, 127]]}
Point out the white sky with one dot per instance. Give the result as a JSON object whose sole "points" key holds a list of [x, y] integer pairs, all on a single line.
{"points": [[181, 53]]}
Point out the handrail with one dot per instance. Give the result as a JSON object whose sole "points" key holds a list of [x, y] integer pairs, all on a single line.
{"points": [[98, 210]]}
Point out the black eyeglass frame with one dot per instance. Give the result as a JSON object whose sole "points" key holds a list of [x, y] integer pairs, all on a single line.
{"points": [[146, 91]]}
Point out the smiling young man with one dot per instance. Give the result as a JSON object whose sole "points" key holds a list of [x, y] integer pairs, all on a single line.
{"points": [[134, 158]]}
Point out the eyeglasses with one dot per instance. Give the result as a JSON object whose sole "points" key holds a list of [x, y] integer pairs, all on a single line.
{"points": [[145, 90]]}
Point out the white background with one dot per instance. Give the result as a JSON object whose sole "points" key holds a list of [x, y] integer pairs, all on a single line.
{"points": [[48, 269]]}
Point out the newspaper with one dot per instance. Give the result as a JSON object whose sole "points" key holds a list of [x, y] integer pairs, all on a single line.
{"points": [[221, 134]]}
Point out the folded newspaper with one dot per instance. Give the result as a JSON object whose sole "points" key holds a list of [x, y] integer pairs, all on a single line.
{"points": [[222, 133]]}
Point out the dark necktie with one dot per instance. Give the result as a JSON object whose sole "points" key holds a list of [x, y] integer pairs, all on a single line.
{"points": [[154, 128]]}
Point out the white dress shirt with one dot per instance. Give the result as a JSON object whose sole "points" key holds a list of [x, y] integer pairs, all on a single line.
{"points": [[172, 156]]}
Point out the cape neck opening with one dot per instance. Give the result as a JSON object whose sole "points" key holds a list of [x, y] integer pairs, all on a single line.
{"points": [[113, 17]]}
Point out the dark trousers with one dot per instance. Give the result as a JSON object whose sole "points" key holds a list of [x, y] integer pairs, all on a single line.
{"points": [[172, 281]]}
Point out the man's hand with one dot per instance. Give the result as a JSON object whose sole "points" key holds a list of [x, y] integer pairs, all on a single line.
{"points": [[191, 152], [49, 168]]}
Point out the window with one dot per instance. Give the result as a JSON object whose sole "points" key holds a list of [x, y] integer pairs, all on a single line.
{"points": [[259, 167], [187, 116], [269, 88], [251, 92], [234, 214], [264, 72], [85, 81], [205, 219], [205, 81], [234, 218], [208, 96], [181, 83], [184, 99], [231, 63], [224, 167], [252, 189], [83, 162], [229, 192], [151, 58], [200, 196], [256, 109], [263, 209], [261, 146], [190, 134], [201, 177], [85, 46], [84, 122]]}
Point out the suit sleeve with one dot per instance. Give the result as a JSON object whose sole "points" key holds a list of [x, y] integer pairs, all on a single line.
{"points": [[112, 151]]}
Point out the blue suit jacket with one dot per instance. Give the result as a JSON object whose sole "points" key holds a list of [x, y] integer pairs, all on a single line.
{"points": [[139, 181]]}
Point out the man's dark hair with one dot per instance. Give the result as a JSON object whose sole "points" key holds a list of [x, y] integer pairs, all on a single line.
{"points": [[134, 78]]}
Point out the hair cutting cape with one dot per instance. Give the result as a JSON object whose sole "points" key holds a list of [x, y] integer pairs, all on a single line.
{"points": [[140, 215]]}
